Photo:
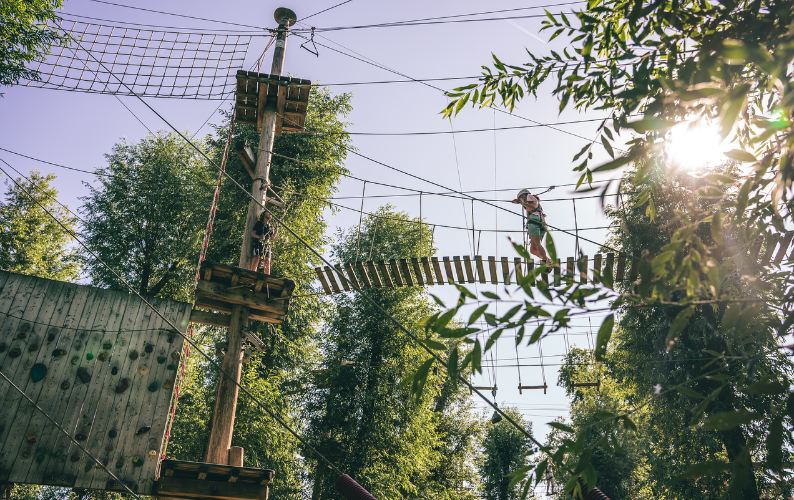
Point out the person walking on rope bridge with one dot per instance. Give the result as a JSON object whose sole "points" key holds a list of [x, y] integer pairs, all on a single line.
{"points": [[263, 235], [536, 224]]}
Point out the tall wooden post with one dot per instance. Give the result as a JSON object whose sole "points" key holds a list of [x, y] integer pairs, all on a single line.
{"points": [[226, 398]]}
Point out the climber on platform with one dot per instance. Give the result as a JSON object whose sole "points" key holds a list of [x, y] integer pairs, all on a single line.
{"points": [[536, 224], [263, 234]]}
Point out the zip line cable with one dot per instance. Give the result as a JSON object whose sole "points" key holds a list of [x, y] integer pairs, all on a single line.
{"points": [[173, 14], [326, 10], [369, 299], [73, 440]]}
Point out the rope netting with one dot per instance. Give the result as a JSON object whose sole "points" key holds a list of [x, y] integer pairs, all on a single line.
{"points": [[148, 63]]}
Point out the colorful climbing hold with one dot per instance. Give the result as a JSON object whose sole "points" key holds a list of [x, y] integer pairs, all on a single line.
{"points": [[15, 352], [171, 338], [83, 375], [31, 438], [58, 353], [58, 452], [38, 372], [134, 355], [149, 348], [137, 461], [121, 388], [102, 356], [52, 334], [107, 346], [108, 448], [166, 385], [33, 347], [105, 462], [175, 354], [112, 433], [65, 385], [120, 464], [89, 356], [161, 359], [171, 366], [74, 458], [40, 457], [153, 386], [80, 437], [88, 465], [3, 347], [25, 454], [152, 453], [143, 430], [143, 370], [114, 370], [75, 360]]}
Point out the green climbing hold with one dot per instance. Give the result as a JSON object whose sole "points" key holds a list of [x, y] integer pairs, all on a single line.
{"points": [[75, 360], [38, 372], [80, 437], [3, 347], [149, 348], [89, 356], [153, 386], [83, 375], [143, 430], [65, 385], [40, 457], [134, 355], [107, 346], [112, 433], [171, 366], [58, 353], [137, 461], [15, 352], [161, 360], [58, 452], [120, 464]]}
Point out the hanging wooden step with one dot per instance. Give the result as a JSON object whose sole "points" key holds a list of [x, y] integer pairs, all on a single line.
{"points": [[289, 97]]}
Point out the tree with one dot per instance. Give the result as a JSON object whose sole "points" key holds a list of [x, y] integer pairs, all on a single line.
{"points": [[505, 451], [679, 63], [31, 241], [364, 416], [27, 36], [145, 219]]}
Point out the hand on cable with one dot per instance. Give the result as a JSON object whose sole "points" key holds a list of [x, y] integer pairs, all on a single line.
{"points": [[516, 201]]}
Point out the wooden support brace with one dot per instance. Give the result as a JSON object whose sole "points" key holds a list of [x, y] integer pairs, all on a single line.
{"points": [[492, 268], [374, 274], [329, 272], [384, 274], [635, 266], [583, 260], [428, 271], [459, 269], [418, 271], [469, 268], [480, 269], [448, 269], [246, 156], [210, 318], [597, 268], [363, 273], [505, 271], [395, 271], [621, 272], [437, 269], [352, 276], [342, 279], [406, 272]]}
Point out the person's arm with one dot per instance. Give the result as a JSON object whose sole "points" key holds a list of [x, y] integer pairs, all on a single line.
{"points": [[275, 232]]}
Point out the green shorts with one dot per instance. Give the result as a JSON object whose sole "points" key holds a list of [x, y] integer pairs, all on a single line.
{"points": [[536, 226]]}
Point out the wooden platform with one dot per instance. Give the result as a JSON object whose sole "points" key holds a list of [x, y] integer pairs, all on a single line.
{"points": [[289, 97], [222, 286], [91, 341], [182, 480]]}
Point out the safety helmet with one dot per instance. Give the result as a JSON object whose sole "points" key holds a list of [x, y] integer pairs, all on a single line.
{"points": [[523, 192]]}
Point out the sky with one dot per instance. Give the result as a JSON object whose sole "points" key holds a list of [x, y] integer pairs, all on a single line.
{"points": [[77, 129]]}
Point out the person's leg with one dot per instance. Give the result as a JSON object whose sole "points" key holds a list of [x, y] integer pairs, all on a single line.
{"points": [[266, 262], [536, 248], [254, 263]]}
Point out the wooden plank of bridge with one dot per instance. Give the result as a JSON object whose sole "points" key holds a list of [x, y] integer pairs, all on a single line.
{"points": [[374, 274], [621, 272], [384, 274], [351, 274], [492, 268], [557, 271], [342, 279], [406, 272], [784, 244], [597, 268], [505, 271], [583, 260], [530, 266], [771, 243], [635, 266], [418, 271], [480, 269], [469, 268], [517, 267], [610, 264], [569, 271], [437, 269], [448, 269], [395, 271], [544, 274], [363, 273], [329, 273], [521, 387], [428, 271], [459, 269]]}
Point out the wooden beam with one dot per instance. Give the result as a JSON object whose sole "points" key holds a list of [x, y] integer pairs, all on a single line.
{"points": [[240, 296], [437, 269], [569, 272], [531, 269], [505, 271], [395, 271], [323, 281], [363, 273], [492, 268], [193, 488], [332, 279], [246, 156], [597, 268], [418, 271], [351, 274], [409, 280], [209, 318], [374, 274], [557, 271], [469, 269], [448, 269], [582, 264], [428, 271], [480, 269], [384, 274], [260, 106], [522, 387], [342, 279], [517, 267], [459, 269], [621, 272], [610, 265]]}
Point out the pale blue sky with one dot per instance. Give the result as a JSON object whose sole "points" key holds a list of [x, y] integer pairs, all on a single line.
{"points": [[77, 129]]}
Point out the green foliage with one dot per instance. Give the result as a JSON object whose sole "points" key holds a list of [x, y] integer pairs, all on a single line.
{"points": [[31, 242], [28, 33], [505, 450], [146, 217], [364, 417]]}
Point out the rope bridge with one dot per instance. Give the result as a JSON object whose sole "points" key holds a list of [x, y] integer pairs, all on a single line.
{"points": [[149, 63]]}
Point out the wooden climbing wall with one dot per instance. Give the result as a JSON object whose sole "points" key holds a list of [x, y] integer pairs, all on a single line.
{"points": [[89, 341]]}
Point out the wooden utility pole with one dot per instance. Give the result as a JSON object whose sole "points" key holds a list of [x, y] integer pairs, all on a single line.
{"points": [[218, 449]]}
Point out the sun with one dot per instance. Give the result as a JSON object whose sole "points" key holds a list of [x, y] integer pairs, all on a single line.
{"points": [[693, 146]]}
